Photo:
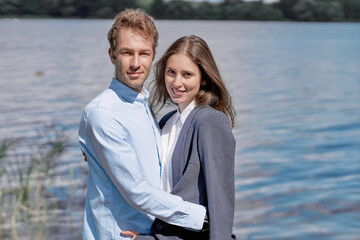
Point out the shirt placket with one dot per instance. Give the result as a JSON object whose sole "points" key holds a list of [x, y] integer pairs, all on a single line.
{"points": [[154, 129]]}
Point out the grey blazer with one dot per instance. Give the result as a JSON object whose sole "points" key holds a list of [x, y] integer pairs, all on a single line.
{"points": [[203, 173]]}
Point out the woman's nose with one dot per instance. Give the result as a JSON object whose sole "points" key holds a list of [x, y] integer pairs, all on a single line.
{"points": [[177, 80]]}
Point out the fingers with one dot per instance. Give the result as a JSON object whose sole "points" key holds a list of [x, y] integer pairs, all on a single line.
{"points": [[128, 233], [131, 234]]}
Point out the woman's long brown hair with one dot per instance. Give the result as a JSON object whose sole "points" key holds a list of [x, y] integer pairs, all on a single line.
{"points": [[212, 91]]}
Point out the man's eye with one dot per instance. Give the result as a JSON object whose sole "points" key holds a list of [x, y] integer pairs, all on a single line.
{"points": [[170, 71]]}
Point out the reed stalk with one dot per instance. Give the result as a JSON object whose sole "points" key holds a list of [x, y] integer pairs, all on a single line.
{"points": [[24, 198]]}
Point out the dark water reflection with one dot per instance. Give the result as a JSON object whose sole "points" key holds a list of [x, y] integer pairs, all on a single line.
{"points": [[295, 86]]}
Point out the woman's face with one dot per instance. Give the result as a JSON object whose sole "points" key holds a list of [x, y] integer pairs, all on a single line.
{"points": [[182, 79]]}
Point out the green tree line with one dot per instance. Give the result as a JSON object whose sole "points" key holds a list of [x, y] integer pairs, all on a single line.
{"points": [[296, 10]]}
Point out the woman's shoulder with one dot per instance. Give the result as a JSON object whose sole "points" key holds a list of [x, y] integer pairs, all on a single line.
{"points": [[211, 122], [208, 113], [207, 118]]}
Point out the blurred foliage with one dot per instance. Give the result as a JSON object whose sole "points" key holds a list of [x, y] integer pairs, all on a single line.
{"points": [[320, 10], [297, 10], [27, 170]]}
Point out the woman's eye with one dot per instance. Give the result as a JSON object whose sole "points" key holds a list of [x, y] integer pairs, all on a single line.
{"points": [[187, 74]]}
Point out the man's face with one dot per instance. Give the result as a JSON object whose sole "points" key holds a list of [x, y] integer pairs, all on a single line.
{"points": [[132, 58]]}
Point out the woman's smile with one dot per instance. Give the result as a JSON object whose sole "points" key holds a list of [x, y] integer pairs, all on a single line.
{"points": [[182, 79]]}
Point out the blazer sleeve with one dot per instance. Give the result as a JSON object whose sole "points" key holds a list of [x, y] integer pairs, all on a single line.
{"points": [[216, 145]]}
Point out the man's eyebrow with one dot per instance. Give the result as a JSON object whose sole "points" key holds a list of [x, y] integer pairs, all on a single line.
{"points": [[126, 49], [146, 50], [131, 49]]}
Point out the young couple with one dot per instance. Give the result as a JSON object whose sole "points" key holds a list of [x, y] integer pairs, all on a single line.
{"points": [[147, 183]]}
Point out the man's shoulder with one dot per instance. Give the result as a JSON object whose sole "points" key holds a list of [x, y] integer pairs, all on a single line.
{"points": [[105, 101], [101, 107], [102, 112]]}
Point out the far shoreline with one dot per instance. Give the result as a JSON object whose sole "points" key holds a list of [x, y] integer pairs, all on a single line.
{"points": [[19, 17]]}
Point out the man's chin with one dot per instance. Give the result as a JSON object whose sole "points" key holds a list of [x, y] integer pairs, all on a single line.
{"points": [[136, 87]]}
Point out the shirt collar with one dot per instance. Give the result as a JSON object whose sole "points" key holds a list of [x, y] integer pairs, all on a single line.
{"points": [[127, 93], [185, 113]]}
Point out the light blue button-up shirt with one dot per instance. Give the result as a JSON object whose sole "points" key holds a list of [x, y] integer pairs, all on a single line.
{"points": [[120, 138]]}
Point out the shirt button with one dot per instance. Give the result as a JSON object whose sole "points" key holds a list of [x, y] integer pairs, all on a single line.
{"points": [[159, 226]]}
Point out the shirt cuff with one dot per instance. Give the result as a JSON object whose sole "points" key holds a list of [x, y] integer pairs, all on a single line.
{"points": [[196, 216]]}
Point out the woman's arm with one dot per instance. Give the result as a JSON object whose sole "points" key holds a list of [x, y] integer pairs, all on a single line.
{"points": [[217, 153]]}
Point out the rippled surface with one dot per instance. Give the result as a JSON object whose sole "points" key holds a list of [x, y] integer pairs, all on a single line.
{"points": [[295, 86]]}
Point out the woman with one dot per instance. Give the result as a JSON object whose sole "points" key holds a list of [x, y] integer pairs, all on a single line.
{"points": [[197, 145]]}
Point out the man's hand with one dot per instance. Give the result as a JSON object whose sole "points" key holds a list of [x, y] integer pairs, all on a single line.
{"points": [[131, 234]]}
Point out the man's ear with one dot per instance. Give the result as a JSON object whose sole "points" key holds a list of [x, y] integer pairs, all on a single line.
{"points": [[112, 56]]}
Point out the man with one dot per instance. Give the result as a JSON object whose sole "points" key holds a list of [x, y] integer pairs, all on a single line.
{"points": [[120, 137]]}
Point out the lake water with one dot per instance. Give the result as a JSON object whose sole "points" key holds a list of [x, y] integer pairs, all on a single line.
{"points": [[295, 87]]}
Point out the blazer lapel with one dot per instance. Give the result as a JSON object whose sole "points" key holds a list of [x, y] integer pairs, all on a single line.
{"points": [[166, 118], [182, 148]]}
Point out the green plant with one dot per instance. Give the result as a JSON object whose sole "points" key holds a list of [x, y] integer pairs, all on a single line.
{"points": [[26, 175]]}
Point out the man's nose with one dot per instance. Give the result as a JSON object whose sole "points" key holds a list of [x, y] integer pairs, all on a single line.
{"points": [[135, 63]]}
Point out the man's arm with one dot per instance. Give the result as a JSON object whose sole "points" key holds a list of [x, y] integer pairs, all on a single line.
{"points": [[114, 154]]}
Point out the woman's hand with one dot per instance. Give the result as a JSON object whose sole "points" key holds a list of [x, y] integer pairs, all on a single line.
{"points": [[131, 234]]}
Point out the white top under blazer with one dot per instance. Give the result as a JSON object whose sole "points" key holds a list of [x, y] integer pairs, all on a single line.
{"points": [[169, 135]]}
